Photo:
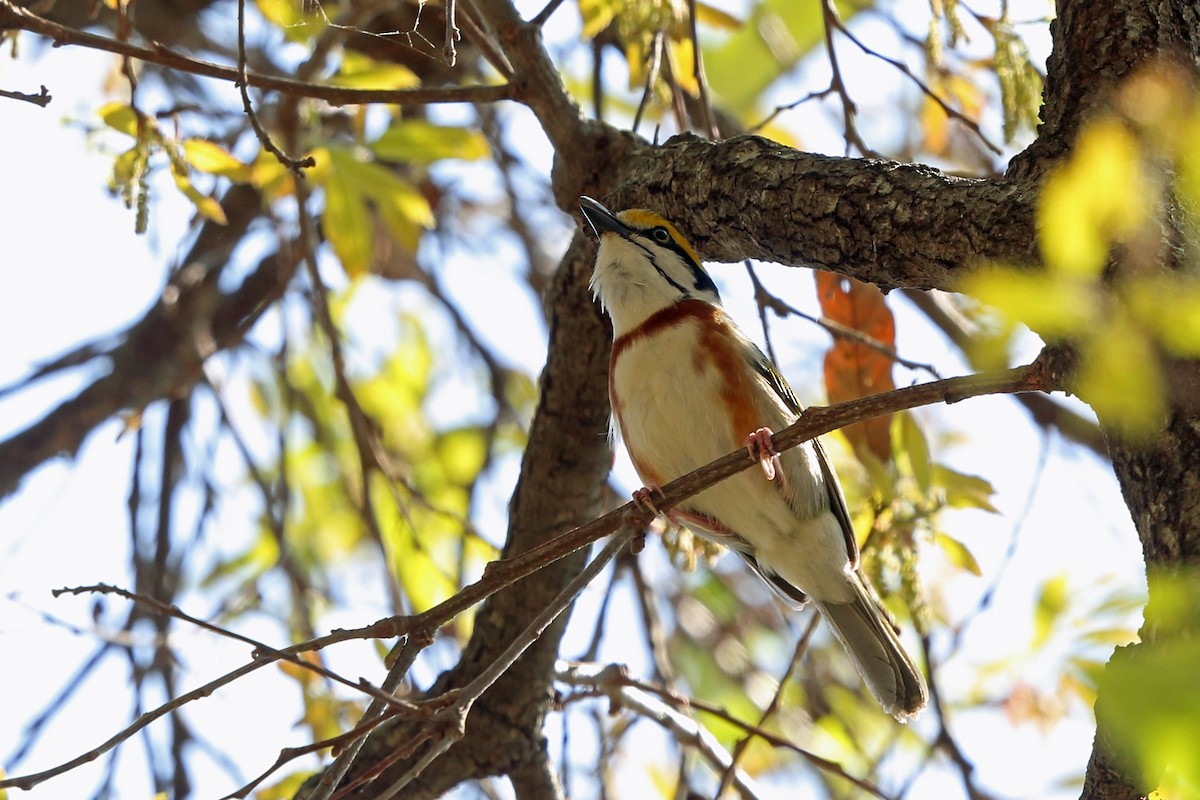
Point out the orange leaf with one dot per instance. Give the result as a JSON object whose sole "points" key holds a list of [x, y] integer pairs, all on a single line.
{"points": [[854, 369]]}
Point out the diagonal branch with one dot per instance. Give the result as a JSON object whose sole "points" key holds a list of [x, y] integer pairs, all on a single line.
{"points": [[12, 17]]}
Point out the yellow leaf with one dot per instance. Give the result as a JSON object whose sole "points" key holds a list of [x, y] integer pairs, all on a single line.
{"points": [[962, 490], [1119, 378], [683, 65], [1099, 196], [403, 209], [205, 205], [912, 450], [957, 553], [210, 157], [597, 15], [1168, 305], [713, 17], [358, 71], [274, 179], [1054, 305], [936, 127], [1051, 602], [120, 117]]}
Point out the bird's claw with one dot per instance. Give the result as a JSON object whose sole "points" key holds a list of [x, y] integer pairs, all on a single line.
{"points": [[759, 445], [644, 498]]}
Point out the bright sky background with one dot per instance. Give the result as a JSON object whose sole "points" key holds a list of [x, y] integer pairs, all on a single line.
{"points": [[73, 270]]}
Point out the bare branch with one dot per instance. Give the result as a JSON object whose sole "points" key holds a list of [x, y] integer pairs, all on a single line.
{"points": [[42, 98], [21, 19]]}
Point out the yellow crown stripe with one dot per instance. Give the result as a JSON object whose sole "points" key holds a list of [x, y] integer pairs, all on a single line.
{"points": [[643, 220]]}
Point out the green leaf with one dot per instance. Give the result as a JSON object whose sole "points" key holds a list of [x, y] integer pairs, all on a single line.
{"points": [[358, 71], [347, 224], [912, 449], [962, 490], [420, 142], [957, 553], [1051, 603]]}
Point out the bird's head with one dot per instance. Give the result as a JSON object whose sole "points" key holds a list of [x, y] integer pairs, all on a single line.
{"points": [[644, 265]]}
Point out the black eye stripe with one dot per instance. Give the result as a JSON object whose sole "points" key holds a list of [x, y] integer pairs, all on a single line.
{"points": [[702, 280]]}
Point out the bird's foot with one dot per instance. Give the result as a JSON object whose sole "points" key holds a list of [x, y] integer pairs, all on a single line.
{"points": [[759, 445], [644, 498]]}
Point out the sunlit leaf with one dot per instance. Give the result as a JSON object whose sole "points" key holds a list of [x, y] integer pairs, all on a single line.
{"points": [[597, 15], [1168, 305], [420, 142], [284, 789], [1051, 603], [207, 206], [359, 71], [298, 20], [712, 17], [120, 117], [210, 157], [462, 452], [683, 65], [1098, 196], [957, 553], [345, 221], [774, 38], [1053, 305], [1120, 379]]}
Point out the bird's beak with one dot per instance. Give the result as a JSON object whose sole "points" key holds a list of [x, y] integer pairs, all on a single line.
{"points": [[600, 218]]}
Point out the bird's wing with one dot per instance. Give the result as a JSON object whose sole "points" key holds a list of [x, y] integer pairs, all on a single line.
{"points": [[837, 501]]}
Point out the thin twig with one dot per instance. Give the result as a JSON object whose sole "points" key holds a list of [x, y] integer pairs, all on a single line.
{"points": [[829, 16], [260, 648], [656, 49], [743, 744], [789, 106], [42, 98], [16, 18], [782, 308], [545, 13], [710, 124], [455, 714], [452, 35], [611, 682], [295, 165], [833, 18], [815, 421]]}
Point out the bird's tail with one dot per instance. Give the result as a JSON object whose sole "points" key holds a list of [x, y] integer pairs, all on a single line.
{"points": [[864, 627]]}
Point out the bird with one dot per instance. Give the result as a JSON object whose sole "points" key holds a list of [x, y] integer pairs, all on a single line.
{"points": [[686, 387]]}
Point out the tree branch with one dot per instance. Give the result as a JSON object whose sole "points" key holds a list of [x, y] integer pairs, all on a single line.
{"points": [[12, 17], [891, 224]]}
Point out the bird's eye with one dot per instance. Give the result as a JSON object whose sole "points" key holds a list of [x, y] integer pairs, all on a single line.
{"points": [[661, 235]]}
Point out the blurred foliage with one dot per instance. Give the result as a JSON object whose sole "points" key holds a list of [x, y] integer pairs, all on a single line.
{"points": [[389, 503], [1107, 196], [1156, 722]]}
